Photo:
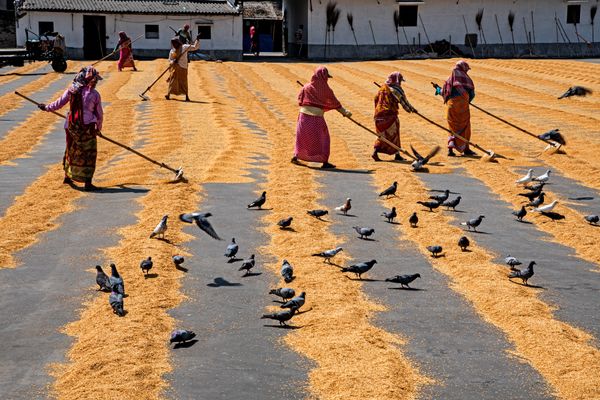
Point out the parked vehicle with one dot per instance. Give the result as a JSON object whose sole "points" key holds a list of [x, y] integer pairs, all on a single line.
{"points": [[49, 46]]}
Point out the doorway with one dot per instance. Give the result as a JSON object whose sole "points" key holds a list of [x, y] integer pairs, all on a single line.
{"points": [[94, 37]]}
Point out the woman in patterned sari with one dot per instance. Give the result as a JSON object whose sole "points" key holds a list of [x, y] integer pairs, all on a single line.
{"points": [[386, 119], [83, 123], [125, 53], [312, 135], [458, 92]]}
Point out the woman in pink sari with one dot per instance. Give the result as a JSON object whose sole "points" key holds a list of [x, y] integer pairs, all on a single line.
{"points": [[312, 135], [125, 54]]}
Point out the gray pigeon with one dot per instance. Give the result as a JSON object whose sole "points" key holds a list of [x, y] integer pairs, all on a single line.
{"points": [[364, 232], [511, 261], [421, 161], [102, 279], [296, 302], [181, 336], [178, 260], [232, 249], [391, 191], [520, 214], [390, 215], [285, 223], [403, 280], [284, 293], [463, 243], [327, 255], [247, 265], [440, 198], [451, 204], [413, 220], [575, 91], [429, 204], [317, 213], [592, 219], [553, 135], [538, 201], [116, 302], [435, 250], [287, 271], [202, 222], [115, 280], [259, 202], [525, 274], [473, 223], [161, 228], [282, 316], [537, 186], [360, 268], [146, 265]]}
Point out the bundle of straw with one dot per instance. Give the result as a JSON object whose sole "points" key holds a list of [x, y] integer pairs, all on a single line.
{"points": [[478, 19], [511, 21], [350, 18]]}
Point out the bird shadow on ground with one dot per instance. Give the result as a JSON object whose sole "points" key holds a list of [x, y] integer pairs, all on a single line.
{"points": [[456, 211], [250, 274], [185, 345], [554, 216], [346, 215], [480, 232], [524, 222], [393, 223], [438, 256], [363, 279], [288, 229], [410, 289], [442, 191], [524, 285], [220, 282], [367, 239], [466, 251], [234, 259], [423, 170], [260, 209], [166, 241], [282, 326], [182, 269], [151, 276], [303, 312]]}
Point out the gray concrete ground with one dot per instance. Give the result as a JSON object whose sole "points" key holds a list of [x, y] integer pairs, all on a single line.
{"points": [[446, 337], [24, 79], [569, 282]]}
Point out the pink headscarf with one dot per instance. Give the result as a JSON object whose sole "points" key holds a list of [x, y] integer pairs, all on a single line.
{"points": [[123, 37], [317, 93], [395, 79], [458, 80]]}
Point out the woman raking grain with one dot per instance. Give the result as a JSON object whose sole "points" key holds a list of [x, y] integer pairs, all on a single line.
{"points": [[125, 52], [178, 77], [458, 91]]}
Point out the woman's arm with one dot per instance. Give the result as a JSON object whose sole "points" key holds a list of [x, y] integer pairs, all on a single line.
{"points": [[57, 104]]}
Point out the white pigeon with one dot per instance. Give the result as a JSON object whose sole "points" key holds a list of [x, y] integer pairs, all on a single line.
{"points": [[161, 228], [345, 207], [547, 208], [543, 178], [526, 178]]}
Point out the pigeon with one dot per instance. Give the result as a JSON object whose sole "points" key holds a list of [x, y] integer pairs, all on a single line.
{"points": [[533, 188], [296, 302], [259, 202], [403, 280], [525, 274], [178, 260], [281, 316], [317, 213], [553, 135], [473, 222], [287, 271], [391, 191], [201, 221], [435, 250], [327, 255], [360, 268], [345, 207], [146, 265], [116, 302], [547, 208], [532, 194], [181, 336], [390, 215], [161, 228], [420, 160], [520, 214], [538, 201], [463, 243], [512, 262], [526, 178], [285, 223], [543, 178], [284, 293], [429, 204], [413, 220], [364, 232], [232, 249], [247, 265], [440, 198], [592, 219], [451, 204], [115, 280], [576, 91], [102, 279]]}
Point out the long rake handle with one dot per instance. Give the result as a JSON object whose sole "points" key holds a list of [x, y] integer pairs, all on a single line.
{"points": [[115, 50], [107, 138], [164, 72]]}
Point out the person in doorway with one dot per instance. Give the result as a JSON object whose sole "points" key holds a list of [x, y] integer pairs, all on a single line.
{"points": [[125, 52], [458, 92], [185, 36], [82, 125], [299, 35], [312, 135], [254, 46], [178, 79], [386, 119]]}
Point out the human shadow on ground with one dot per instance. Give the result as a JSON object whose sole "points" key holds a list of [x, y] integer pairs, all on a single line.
{"points": [[408, 289], [221, 282]]}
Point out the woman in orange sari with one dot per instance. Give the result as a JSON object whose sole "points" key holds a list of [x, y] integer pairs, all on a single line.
{"points": [[458, 92], [386, 119]]}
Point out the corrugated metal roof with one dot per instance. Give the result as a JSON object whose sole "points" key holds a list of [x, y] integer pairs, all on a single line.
{"points": [[131, 6], [262, 10]]}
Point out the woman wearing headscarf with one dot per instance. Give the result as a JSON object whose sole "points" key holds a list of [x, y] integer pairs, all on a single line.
{"points": [[386, 119], [125, 52], [312, 135], [254, 44], [458, 92], [83, 123], [178, 79]]}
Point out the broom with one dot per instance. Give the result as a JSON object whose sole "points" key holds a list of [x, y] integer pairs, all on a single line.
{"points": [[511, 21], [396, 25], [592, 17], [478, 19], [350, 18], [329, 11], [334, 20]]}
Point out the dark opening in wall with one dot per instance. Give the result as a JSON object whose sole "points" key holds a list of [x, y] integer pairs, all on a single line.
{"points": [[408, 15], [573, 13], [151, 31], [45, 26], [204, 31]]}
